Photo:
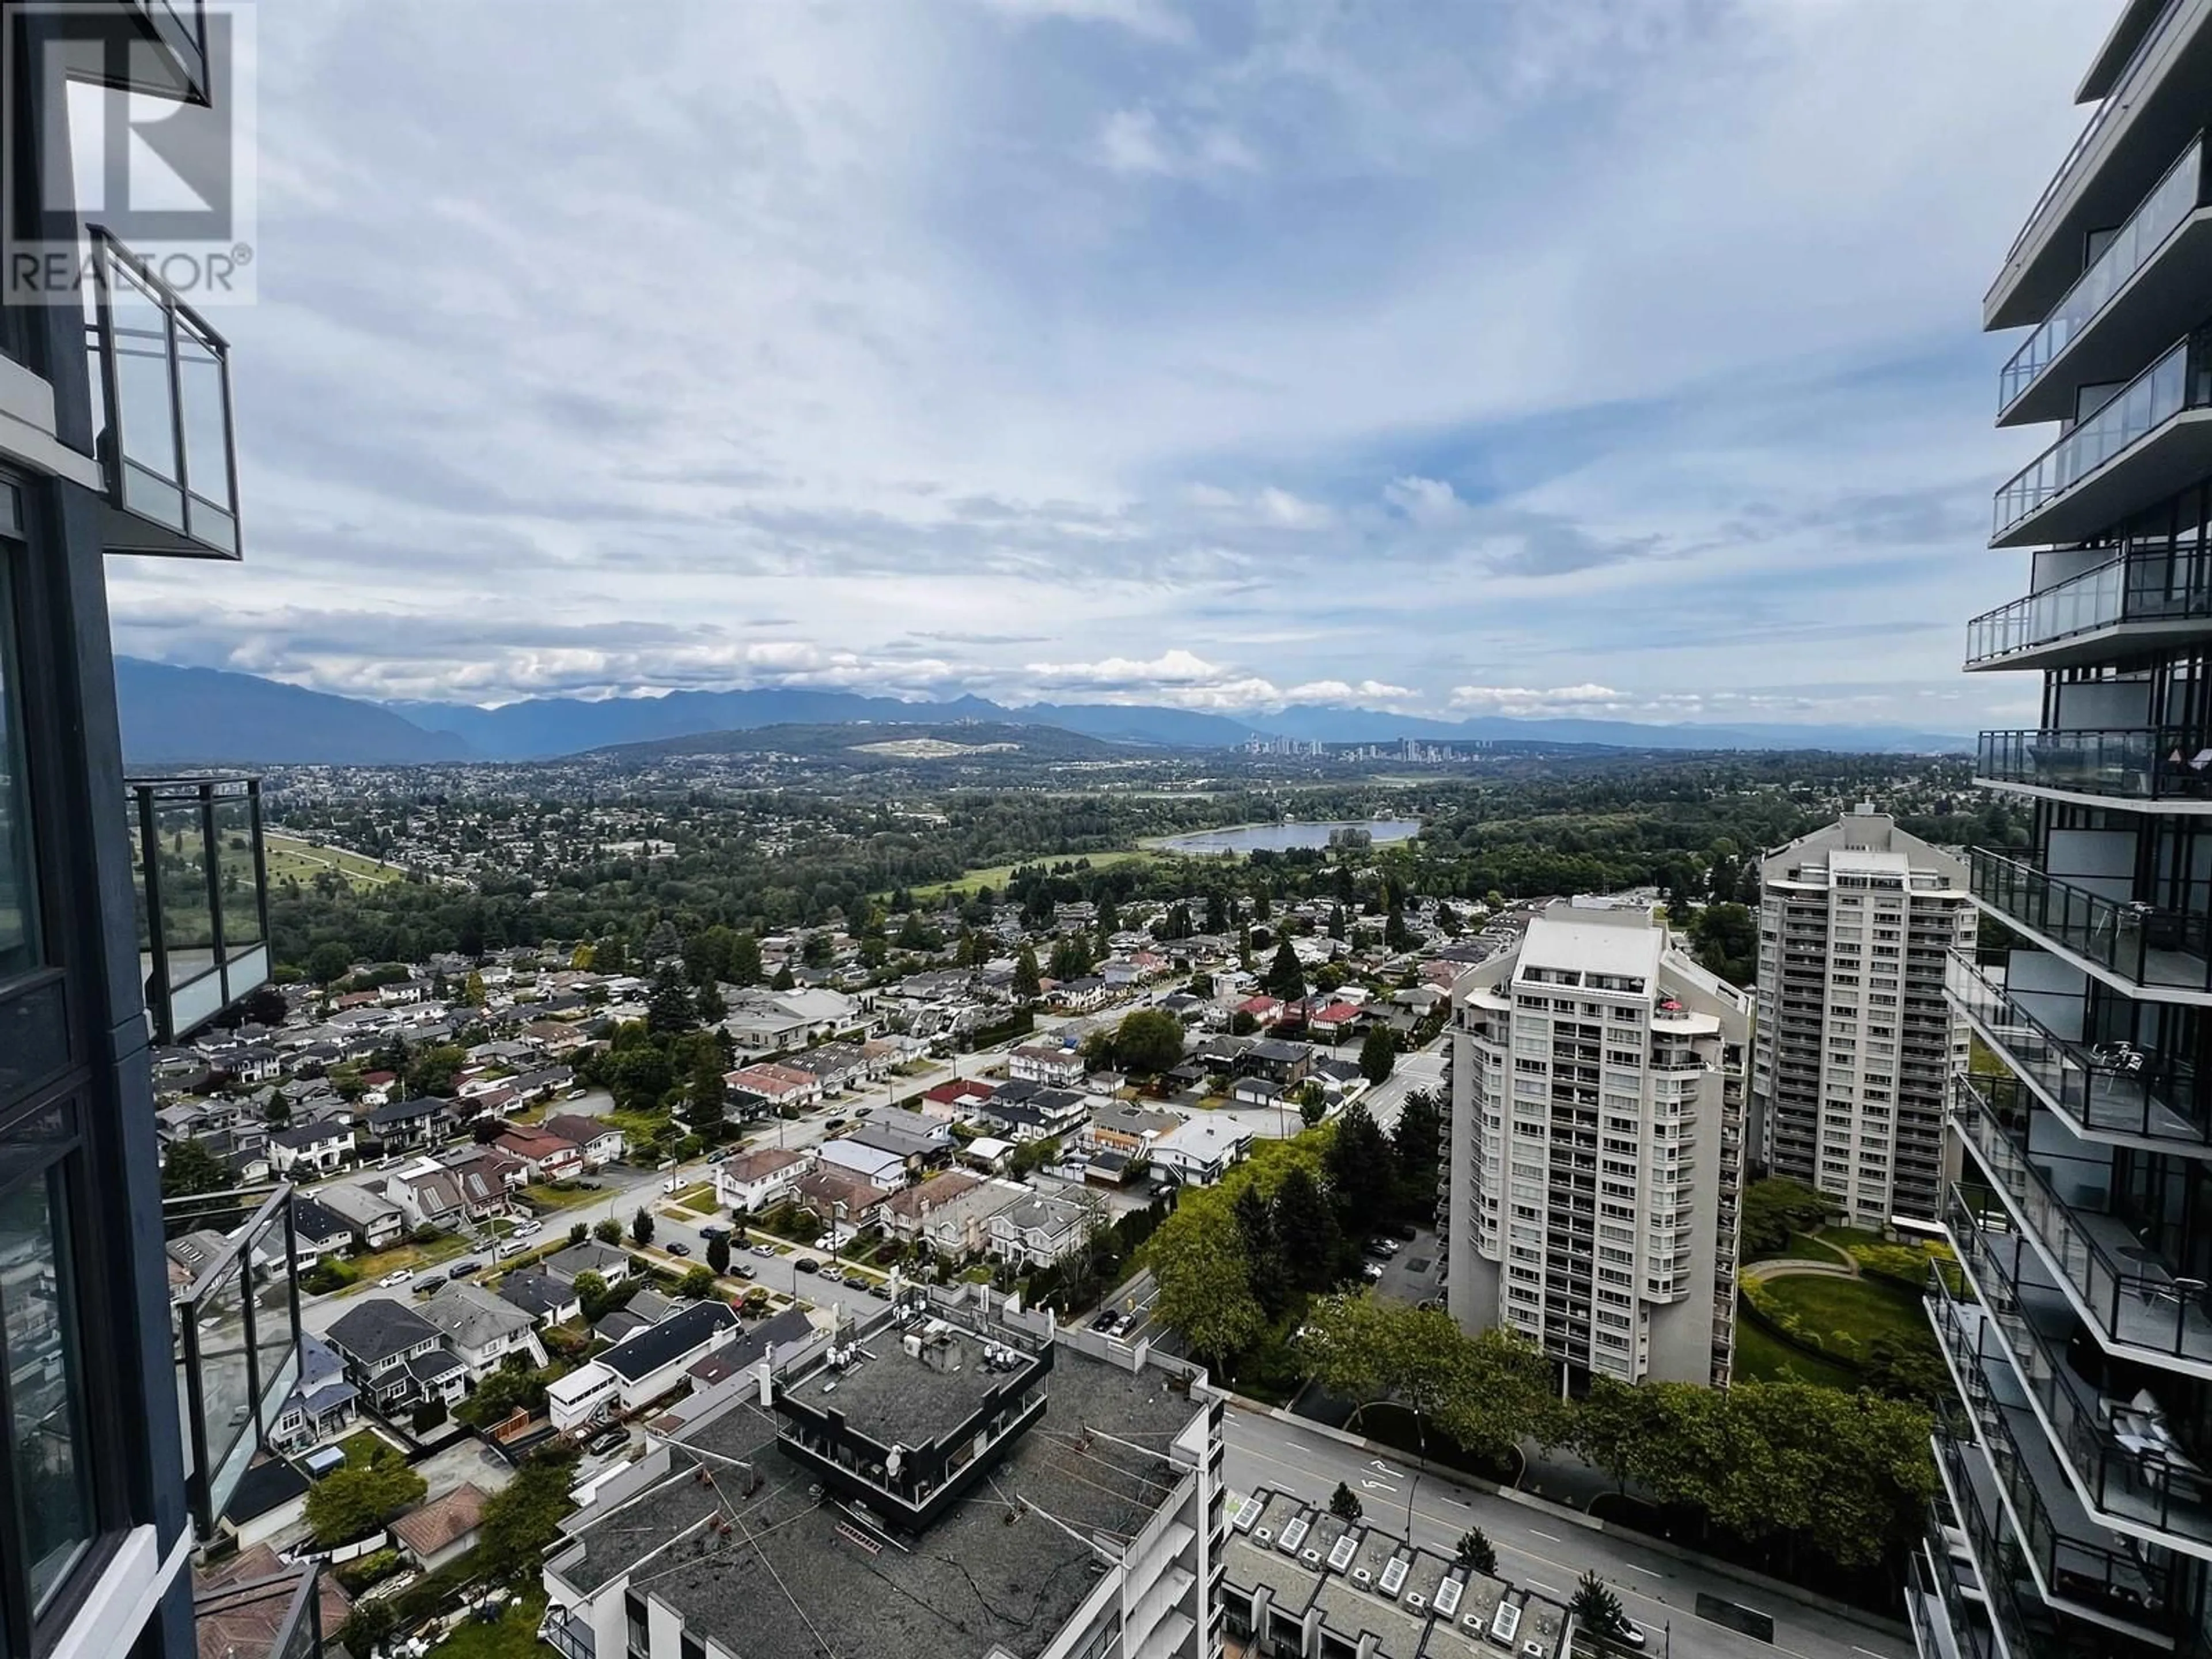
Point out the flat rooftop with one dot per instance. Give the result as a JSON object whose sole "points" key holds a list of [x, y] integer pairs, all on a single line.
{"points": [[776, 1570], [896, 1397]]}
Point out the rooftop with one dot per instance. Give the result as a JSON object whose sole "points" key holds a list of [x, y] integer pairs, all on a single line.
{"points": [[898, 1398]]}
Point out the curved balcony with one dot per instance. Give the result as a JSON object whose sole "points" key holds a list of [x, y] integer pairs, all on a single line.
{"points": [[2115, 314], [2167, 764], [2135, 1299], [203, 897], [2108, 1090], [2159, 952], [2149, 439], [2148, 599]]}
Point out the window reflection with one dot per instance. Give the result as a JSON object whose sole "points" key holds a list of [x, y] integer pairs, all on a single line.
{"points": [[17, 939], [46, 1425]]}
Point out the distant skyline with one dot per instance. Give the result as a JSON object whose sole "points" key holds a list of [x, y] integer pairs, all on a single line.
{"points": [[1606, 358]]}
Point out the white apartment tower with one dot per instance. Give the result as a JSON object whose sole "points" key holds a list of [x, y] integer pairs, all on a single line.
{"points": [[1596, 1147], [1856, 1042]]}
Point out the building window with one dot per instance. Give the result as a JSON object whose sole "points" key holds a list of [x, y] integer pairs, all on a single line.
{"points": [[19, 940], [49, 1466]]}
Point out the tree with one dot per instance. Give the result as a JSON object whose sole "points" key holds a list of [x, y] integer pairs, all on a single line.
{"points": [[1266, 1272], [1595, 1607], [355, 1501], [578, 1232], [513, 1386], [1286, 975], [593, 1295], [328, 962], [705, 1087], [1305, 1230], [1028, 983], [1476, 1553], [1727, 939], [1204, 1282], [672, 1007], [522, 1518], [745, 960], [1344, 1503], [711, 1007], [1148, 1040], [1378, 1053], [190, 1169], [1775, 1209], [1362, 1172], [718, 1254], [641, 1226], [608, 1231], [473, 992], [432, 1069], [1418, 1140], [697, 1284], [370, 1625], [783, 979]]}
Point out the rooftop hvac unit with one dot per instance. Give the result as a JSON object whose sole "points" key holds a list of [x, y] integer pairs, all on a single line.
{"points": [[1364, 1579], [1311, 1557], [1474, 1622], [1262, 1536], [1506, 1624], [1416, 1601], [1295, 1535], [1532, 1649]]}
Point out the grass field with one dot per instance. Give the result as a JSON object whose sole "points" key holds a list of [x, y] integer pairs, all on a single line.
{"points": [[408, 1254], [303, 861], [1864, 1308], [365, 1447], [1760, 1358], [998, 875], [513, 1635]]}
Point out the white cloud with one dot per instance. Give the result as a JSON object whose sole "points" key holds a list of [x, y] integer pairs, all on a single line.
{"points": [[1426, 501]]}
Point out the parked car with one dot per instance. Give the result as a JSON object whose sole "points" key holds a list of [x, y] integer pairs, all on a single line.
{"points": [[428, 1282], [463, 1269], [1372, 1271], [710, 1231], [806, 1264], [680, 1248], [833, 1274], [397, 1276], [1108, 1321], [763, 1250], [741, 1270], [612, 1440], [524, 1229], [1628, 1634]]}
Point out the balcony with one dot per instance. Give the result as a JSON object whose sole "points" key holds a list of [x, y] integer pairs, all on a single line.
{"points": [[1943, 1604], [2148, 112], [2139, 1481], [2111, 1090], [2161, 952], [157, 47], [2147, 441], [2124, 1288], [203, 898], [161, 384], [234, 1329], [2161, 763], [2123, 306], [2149, 600]]}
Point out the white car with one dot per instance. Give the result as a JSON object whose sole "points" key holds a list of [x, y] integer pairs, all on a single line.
{"points": [[397, 1276]]}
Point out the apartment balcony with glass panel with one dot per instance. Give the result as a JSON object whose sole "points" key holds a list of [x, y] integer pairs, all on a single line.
{"points": [[2152, 949], [203, 904], [2110, 1088], [1944, 1599], [2148, 440], [235, 1326], [2168, 764], [159, 48], [2152, 597], [2111, 1254], [2123, 307], [2122, 1427]]}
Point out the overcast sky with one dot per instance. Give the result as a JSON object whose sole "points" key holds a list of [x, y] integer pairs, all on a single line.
{"points": [[1612, 356]]}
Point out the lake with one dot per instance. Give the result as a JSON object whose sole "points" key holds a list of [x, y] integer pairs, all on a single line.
{"points": [[1282, 837]]}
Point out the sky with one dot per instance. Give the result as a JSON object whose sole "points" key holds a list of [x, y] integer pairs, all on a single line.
{"points": [[1612, 357]]}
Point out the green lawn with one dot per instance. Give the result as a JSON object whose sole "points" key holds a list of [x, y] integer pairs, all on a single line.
{"points": [[364, 1448], [698, 1197], [303, 861], [1803, 1246], [1863, 1309], [998, 875], [409, 1254], [513, 1635], [1844, 1238], [1760, 1358], [553, 1198]]}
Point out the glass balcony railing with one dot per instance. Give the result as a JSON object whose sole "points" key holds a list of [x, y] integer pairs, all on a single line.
{"points": [[2076, 1560], [203, 897], [2175, 382], [165, 439], [2149, 763], [159, 48], [2155, 587], [2170, 201], [2165, 945], [2065, 1201], [1995, 1555], [2114, 1087], [2132, 1469], [1935, 1597], [234, 1325]]}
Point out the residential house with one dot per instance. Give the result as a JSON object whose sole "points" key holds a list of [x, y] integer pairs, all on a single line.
{"points": [[547, 1300], [308, 1150], [1258, 1091], [601, 1144], [1050, 1063], [1081, 996], [1286, 1063], [760, 1179], [546, 1156], [642, 1367], [443, 1530], [611, 1265], [885, 1170], [836, 1066], [376, 1221], [318, 1231], [484, 1329], [841, 1195], [541, 1083], [1265, 1009], [772, 1085], [322, 1403], [396, 1358], [948, 1102], [1036, 1231], [1199, 1152], [1122, 1127], [399, 1123], [428, 1194], [487, 1179], [952, 1220], [1334, 1022]]}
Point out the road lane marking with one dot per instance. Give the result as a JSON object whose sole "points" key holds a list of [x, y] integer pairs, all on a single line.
{"points": [[1548, 1537], [1546, 1588], [1870, 1652], [1462, 1502], [1649, 1573]]}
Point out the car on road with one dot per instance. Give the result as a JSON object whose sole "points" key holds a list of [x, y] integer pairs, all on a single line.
{"points": [[428, 1283], [397, 1276], [833, 1274], [613, 1440], [763, 1250], [710, 1231], [862, 1111], [1627, 1634], [806, 1264], [739, 1269], [834, 1123], [680, 1248], [463, 1269], [524, 1229]]}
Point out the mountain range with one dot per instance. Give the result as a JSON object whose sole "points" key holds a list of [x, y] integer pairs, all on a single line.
{"points": [[178, 716]]}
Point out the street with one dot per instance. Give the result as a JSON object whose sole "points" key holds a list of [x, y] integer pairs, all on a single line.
{"points": [[1538, 1551]]}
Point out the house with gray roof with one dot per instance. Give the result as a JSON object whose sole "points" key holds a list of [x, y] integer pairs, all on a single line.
{"points": [[484, 1329]]}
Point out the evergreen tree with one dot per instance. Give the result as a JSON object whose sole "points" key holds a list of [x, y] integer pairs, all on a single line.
{"points": [[1344, 1503], [1028, 983], [1286, 977], [673, 1006], [745, 960], [1378, 1053], [1595, 1607], [1476, 1553], [1304, 1227]]}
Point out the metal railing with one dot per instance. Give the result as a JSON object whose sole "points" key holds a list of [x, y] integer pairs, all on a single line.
{"points": [[2164, 586], [2135, 1300], [2142, 763], [2115, 1086], [235, 1336], [2112, 101], [203, 897], [2169, 386], [165, 435], [2148, 229], [2166, 944]]}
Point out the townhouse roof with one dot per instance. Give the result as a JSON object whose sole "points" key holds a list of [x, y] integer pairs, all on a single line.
{"points": [[379, 1327], [473, 1317], [536, 1294], [443, 1522], [759, 1164]]}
